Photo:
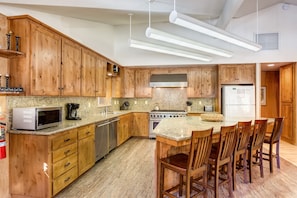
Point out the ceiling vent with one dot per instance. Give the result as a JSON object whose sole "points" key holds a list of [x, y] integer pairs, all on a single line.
{"points": [[268, 41]]}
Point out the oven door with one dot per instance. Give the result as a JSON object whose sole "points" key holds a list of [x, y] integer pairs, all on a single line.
{"points": [[153, 125]]}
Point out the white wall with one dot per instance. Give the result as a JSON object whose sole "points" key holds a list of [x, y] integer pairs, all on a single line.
{"points": [[112, 41]]}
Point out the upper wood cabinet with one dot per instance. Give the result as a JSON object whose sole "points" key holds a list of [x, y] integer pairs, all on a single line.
{"points": [[89, 63], [237, 74], [39, 71], [127, 82], [54, 64], [71, 68], [202, 82], [100, 77], [142, 80]]}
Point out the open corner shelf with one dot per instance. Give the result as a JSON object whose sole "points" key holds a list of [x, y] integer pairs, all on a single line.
{"points": [[10, 53]]}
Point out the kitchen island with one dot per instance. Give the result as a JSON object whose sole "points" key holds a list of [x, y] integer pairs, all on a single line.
{"points": [[173, 135]]}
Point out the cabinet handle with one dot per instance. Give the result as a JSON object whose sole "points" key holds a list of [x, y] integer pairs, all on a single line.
{"points": [[67, 164], [87, 133], [66, 180], [66, 140], [66, 152]]}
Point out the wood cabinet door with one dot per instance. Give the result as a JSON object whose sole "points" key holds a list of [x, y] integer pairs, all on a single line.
{"points": [[194, 83], [142, 80], [127, 82], [140, 124], [209, 82], [116, 86], [89, 63], [228, 74], [247, 74], [86, 154], [237, 74], [286, 83], [86, 148], [286, 111], [124, 128], [101, 76], [202, 82], [45, 60], [71, 68]]}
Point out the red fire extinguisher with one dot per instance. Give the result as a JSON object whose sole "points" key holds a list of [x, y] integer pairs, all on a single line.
{"points": [[2, 142]]}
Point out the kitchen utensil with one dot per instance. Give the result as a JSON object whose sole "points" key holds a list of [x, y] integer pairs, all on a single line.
{"points": [[157, 108]]}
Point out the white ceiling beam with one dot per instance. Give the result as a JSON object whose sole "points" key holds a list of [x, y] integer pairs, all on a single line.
{"points": [[230, 9]]}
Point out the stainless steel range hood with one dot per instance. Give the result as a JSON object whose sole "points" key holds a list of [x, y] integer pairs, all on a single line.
{"points": [[168, 80]]}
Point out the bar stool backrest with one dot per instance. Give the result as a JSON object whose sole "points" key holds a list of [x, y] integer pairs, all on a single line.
{"points": [[260, 127], [277, 129], [200, 149]]}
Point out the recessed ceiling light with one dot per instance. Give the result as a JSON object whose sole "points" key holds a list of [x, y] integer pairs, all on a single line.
{"points": [[270, 65]]}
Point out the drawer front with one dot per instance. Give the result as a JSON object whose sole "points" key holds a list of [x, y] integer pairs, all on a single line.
{"points": [[64, 139], [86, 131], [64, 180], [64, 152], [64, 165]]}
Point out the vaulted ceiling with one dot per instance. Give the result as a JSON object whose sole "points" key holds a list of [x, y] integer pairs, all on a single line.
{"points": [[115, 12]]}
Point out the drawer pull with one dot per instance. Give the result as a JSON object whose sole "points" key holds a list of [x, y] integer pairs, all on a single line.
{"points": [[66, 152], [66, 140], [67, 164], [88, 132], [66, 180]]}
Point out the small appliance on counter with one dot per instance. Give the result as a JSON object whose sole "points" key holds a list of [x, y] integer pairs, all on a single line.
{"points": [[208, 108], [125, 106], [72, 111], [36, 118]]}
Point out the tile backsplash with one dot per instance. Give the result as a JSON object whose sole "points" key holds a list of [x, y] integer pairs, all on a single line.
{"points": [[166, 98]]}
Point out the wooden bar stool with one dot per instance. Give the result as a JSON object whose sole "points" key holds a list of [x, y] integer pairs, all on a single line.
{"points": [[240, 151], [271, 139], [220, 156], [256, 145], [189, 166]]}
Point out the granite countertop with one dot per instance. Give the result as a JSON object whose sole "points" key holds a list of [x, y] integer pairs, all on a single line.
{"points": [[181, 128], [71, 124]]}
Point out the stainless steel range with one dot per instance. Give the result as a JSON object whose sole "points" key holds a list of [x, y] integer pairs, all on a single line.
{"points": [[157, 115]]}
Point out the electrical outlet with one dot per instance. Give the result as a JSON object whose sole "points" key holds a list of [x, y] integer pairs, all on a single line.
{"points": [[145, 102], [135, 102]]}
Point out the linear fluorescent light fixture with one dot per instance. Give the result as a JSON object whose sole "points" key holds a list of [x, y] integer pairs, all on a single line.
{"points": [[177, 40], [167, 50], [210, 30]]}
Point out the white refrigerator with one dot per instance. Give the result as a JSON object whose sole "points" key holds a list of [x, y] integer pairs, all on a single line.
{"points": [[238, 101]]}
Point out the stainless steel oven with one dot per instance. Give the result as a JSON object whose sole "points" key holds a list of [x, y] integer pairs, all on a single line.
{"points": [[157, 115]]}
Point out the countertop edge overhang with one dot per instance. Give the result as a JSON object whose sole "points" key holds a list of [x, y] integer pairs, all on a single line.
{"points": [[72, 124], [180, 129]]}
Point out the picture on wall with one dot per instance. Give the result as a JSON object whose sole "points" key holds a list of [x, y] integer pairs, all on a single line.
{"points": [[263, 95]]}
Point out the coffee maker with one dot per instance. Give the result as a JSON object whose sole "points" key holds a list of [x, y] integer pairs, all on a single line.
{"points": [[72, 111]]}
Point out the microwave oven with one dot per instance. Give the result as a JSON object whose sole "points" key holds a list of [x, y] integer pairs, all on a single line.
{"points": [[36, 118]]}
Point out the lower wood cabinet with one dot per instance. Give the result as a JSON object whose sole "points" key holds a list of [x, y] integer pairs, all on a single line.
{"points": [[124, 128], [43, 165], [86, 148], [140, 124]]}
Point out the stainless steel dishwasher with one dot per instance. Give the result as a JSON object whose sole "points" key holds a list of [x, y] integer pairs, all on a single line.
{"points": [[105, 137], [113, 133]]}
